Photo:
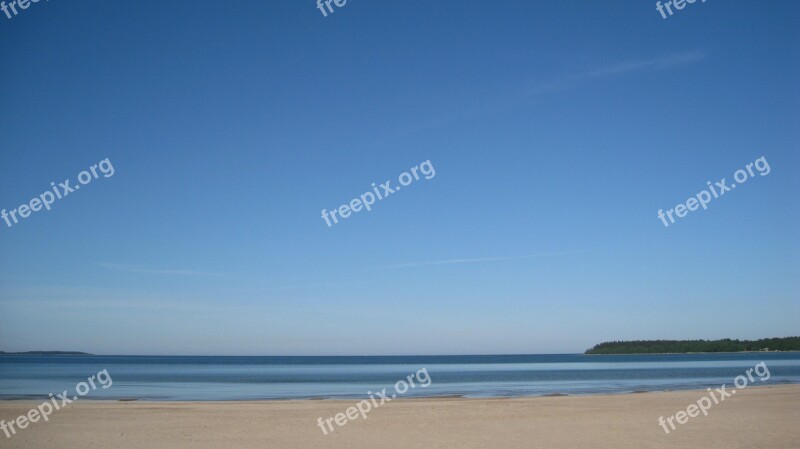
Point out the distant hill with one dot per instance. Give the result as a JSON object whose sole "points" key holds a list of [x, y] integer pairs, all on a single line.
{"points": [[45, 353], [687, 346]]}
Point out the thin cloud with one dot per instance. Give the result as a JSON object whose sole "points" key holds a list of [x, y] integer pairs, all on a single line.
{"points": [[654, 64], [520, 94], [619, 68], [221, 307], [318, 286], [171, 272], [480, 259]]}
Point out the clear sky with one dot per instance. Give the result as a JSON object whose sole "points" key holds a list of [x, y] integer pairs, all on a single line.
{"points": [[557, 131]]}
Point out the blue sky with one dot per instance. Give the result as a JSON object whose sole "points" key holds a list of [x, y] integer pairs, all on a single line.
{"points": [[557, 131]]}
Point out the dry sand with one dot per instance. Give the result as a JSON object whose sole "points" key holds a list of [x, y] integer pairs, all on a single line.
{"points": [[758, 417]]}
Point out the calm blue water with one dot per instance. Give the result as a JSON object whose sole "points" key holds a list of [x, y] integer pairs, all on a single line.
{"points": [[239, 378]]}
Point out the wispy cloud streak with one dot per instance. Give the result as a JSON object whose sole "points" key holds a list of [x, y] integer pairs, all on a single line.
{"points": [[172, 272], [523, 93], [481, 259], [650, 64], [620, 68]]}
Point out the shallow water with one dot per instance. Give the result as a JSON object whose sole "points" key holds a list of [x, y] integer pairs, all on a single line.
{"points": [[250, 378]]}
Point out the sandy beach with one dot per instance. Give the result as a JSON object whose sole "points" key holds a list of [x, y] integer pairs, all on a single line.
{"points": [[758, 417]]}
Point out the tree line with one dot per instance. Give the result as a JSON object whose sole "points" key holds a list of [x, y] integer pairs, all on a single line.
{"points": [[684, 346]]}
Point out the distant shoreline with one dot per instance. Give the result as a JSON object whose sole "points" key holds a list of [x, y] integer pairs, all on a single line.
{"points": [[45, 353], [77, 353], [698, 352], [725, 345]]}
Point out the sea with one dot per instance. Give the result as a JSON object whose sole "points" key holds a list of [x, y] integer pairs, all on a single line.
{"points": [[212, 378]]}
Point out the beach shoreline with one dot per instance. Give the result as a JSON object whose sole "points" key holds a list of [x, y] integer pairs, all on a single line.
{"points": [[349, 398], [760, 416]]}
